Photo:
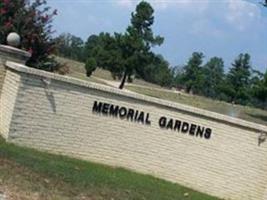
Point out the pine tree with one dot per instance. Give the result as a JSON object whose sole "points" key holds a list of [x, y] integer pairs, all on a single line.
{"points": [[239, 79], [193, 74], [129, 53], [260, 91], [138, 40], [70, 46], [214, 74]]}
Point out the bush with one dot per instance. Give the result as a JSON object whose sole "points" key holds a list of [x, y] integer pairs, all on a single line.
{"points": [[90, 66]]}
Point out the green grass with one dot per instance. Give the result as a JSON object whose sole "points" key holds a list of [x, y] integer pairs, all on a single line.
{"points": [[243, 112], [77, 70], [60, 177]]}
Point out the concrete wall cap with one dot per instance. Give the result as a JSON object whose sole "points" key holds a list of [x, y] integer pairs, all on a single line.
{"points": [[15, 51]]}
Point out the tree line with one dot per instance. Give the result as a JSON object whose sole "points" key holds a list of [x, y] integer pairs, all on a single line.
{"points": [[241, 84]]}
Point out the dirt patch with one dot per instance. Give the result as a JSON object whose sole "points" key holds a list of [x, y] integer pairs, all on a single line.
{"points": [[20, 183]]}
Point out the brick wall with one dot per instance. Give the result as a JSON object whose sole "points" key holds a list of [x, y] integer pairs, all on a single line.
{"points": [[8, 53], [54, 113], [7, 103], [2, 75]]}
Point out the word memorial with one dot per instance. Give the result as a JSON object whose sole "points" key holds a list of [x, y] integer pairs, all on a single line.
{"points": [[144, 118]]}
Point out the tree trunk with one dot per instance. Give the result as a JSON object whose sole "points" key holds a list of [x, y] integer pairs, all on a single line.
{"points": [[188, 89], [123, 80]]}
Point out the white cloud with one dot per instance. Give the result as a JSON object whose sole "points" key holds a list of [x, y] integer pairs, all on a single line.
{"points": [[242, 14], [239, 15], [205, 27], [185, 5], [195, 5], [126, 3]]}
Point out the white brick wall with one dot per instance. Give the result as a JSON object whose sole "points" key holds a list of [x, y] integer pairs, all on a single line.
{"points": [[7, 102], [59, 119], [2, 75]]}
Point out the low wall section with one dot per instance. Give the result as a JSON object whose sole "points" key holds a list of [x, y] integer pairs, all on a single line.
{"points": [[209, 152]]}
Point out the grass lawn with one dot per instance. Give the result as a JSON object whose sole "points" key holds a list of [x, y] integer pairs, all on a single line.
{"points": [[77, 70], [29, 174], [243, 112]]}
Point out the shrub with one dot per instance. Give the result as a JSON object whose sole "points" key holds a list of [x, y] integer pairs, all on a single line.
{"points": [[90, 66]]}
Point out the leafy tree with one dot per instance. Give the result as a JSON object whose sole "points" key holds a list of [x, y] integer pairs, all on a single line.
{"points": [[32, 21], [92, 43], [193, 76], [70, 46], [178, 77], [125, 54], [108, 51], [158, 71], [90, 66], [214, 74], [239, 79], [260, 90]]}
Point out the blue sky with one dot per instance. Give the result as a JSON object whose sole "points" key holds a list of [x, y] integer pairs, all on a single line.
{"points": [[221, 28]]}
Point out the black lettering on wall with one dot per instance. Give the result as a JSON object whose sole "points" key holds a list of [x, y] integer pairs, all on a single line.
{"points": [[123, 112], [192, 129], [105, 108], [185, 127], [114, 110], [208, 133], [200, 131], [97, 107], [170, 124], [148, 122], [162, 122], [177, 125], [130, 114], [144, 118], [141, 117], [136, 115]]}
